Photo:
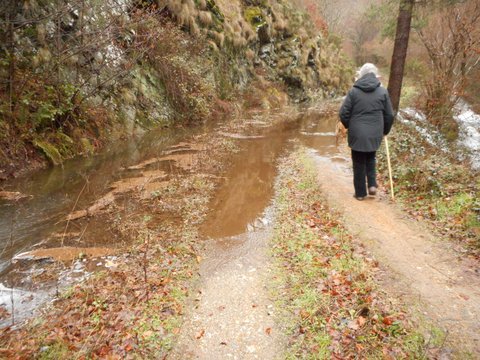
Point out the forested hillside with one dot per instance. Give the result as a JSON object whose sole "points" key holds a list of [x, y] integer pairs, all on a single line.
{"points": [[77, 74]]}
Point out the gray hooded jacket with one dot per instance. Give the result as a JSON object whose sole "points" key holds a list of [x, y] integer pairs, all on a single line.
{"points": [[367, 114]]}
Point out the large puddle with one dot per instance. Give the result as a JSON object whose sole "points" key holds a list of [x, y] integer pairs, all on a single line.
{"points": [[55, 192], [238, 206], [38, 222], [249, 184]]}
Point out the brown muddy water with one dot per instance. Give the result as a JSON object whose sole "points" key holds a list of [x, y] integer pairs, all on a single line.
{"points": [[238, 207], [38, 221], [248, 186]]}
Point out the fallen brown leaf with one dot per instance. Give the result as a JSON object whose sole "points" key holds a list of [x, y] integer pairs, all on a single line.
{"points": [[361, 321], [353, 325], [200, 334], [147, 334], [387, 320]]}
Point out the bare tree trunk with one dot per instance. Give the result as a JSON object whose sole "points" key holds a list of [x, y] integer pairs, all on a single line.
{"points": [[58, 50], [400, 51], [11, 71]]}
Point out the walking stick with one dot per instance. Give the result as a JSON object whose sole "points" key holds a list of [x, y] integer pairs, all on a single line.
{"points": [[389, 168]]}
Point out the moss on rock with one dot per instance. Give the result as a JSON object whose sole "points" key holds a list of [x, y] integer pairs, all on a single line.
{"points": [[50, 151], [87, 146], [254, 16]]}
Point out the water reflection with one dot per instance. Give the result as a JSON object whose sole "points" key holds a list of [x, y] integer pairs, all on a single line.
{"points": [[248, 187], [56, 190], [246, 192]]}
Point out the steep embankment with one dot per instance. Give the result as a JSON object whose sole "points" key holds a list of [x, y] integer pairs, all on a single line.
{"points": [[435, 180], [77, 74]]}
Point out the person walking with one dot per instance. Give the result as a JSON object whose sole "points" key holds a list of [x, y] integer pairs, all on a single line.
{"points": [[368, 115]]}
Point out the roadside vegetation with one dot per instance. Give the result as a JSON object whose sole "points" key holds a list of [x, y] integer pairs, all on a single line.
{"points": [[326, 282], [433, 185]]}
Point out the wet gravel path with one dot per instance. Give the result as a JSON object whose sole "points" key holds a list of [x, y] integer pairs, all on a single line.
{"points": [[232, 317]]}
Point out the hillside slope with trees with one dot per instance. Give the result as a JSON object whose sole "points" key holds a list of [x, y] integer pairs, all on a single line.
{"points": [[78, 74]]}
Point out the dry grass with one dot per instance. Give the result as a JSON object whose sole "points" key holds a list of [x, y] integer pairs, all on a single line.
{"points": [[205, 18]]}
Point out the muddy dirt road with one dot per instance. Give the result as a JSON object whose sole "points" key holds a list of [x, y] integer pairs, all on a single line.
{"points": [[232, 316], [232, 313], [421, 269]]}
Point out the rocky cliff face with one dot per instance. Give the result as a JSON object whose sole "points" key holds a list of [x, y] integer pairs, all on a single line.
{"points": [[76, 74]]}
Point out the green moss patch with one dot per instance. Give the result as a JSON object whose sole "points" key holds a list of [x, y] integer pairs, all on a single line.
{"points": [[254, 16], [50, 151]]}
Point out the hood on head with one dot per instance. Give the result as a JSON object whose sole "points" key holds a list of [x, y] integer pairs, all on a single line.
{"points": [[367, 83]]}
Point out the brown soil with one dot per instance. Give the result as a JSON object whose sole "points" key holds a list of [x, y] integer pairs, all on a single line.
{"points": [[14, 164], [241, 136], [422, 270], [144, 164], [63, 253], [140, 184], [183, 161]]}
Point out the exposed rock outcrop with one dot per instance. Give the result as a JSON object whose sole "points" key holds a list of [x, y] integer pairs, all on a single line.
{"points": [[84, 72]]}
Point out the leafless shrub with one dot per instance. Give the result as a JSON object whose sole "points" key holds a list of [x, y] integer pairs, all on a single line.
{"points": [[451, 39], [185, 90]]}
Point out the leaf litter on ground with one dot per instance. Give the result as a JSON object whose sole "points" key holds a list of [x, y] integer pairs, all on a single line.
{"points": [[327, 280]]}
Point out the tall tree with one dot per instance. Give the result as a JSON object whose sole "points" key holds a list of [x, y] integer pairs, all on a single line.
{"points": [[400, 51]]}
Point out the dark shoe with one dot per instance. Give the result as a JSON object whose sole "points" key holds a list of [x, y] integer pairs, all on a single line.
{"points": [[372, 190], [359, 198]]}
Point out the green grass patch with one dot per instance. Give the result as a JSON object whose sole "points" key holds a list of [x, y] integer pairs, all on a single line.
{"points": [[433, 186], [57, 350], [333, 306]]}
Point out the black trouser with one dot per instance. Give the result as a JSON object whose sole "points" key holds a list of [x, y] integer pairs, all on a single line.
{"points": [[363, 166]]}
